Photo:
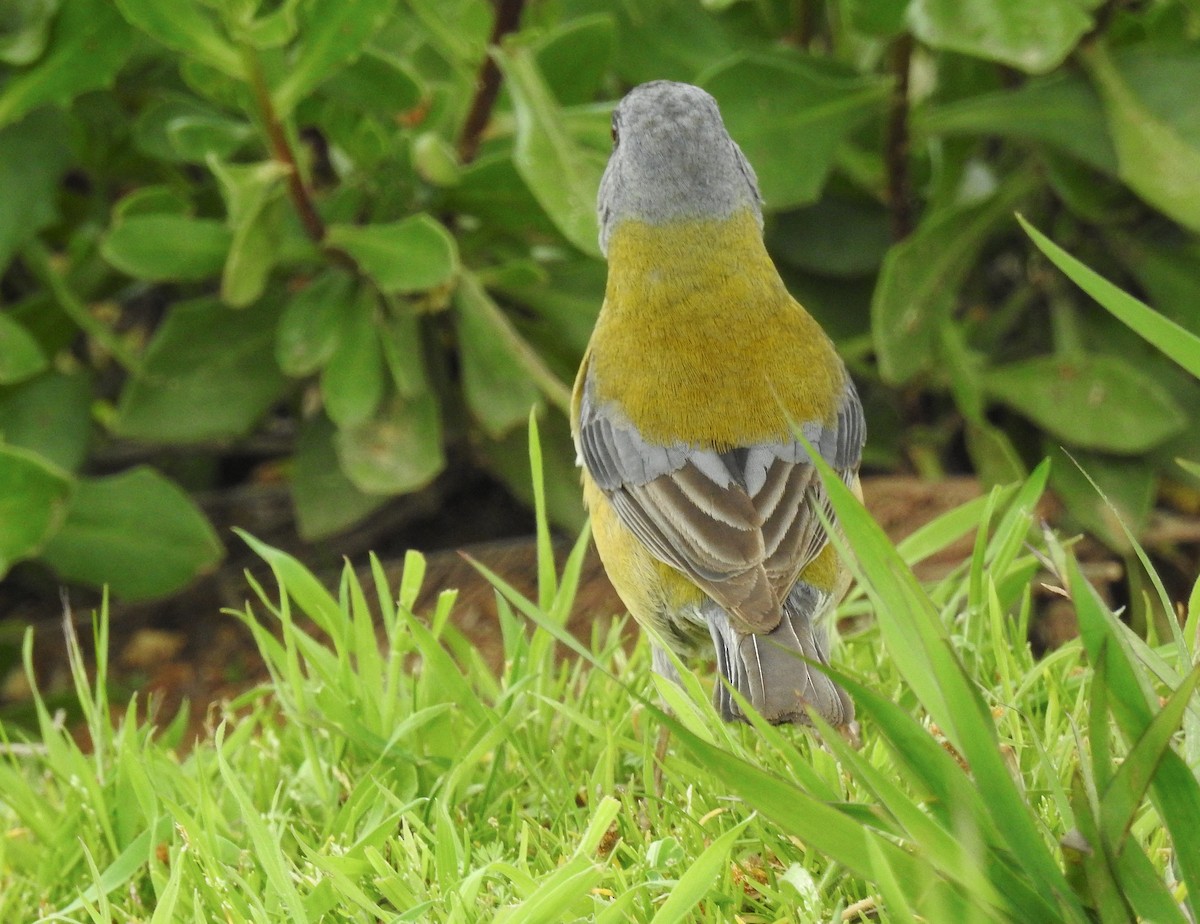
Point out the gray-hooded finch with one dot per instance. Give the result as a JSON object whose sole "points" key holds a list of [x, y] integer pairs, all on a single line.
{"points": [[699, 373]]}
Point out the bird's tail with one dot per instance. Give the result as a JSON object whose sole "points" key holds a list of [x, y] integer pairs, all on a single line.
{"points": [[765, 668]]}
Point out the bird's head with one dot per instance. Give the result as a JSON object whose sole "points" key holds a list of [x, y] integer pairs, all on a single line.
{"points": [[673, 160]]}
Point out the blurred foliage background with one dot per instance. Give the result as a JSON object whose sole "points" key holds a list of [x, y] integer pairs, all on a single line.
{"points": [[338, 246]]}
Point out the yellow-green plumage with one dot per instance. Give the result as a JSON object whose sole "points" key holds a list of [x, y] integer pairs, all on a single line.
{"points": [[680, 387], [693, 300], [653, 591]]}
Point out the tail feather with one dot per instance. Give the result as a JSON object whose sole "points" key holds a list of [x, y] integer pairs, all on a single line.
{"points": [[764, 667]]}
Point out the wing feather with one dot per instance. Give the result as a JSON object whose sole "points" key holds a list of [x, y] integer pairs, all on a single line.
{"points": [[741, 524]]}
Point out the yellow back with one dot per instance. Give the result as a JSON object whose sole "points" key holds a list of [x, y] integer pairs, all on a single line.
{"points": [[699, 341]]}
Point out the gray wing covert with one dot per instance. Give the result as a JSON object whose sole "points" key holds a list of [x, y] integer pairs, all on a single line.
{"points": [[738, 523]]}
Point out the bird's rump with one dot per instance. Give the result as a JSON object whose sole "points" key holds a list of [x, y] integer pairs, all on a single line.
{"points": [[772, 669]]}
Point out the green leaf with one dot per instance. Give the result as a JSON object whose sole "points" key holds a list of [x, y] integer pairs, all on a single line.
{"points": [[88, 45], [1097, 402], [167, 247], [1169, 271], [20, 356], [375, 83], [252, 254], [326, 500], [1033, 35], [262, 832], [297, 582], [435, 160], [1181, 345], [501, 372], [273, 27], [919, 281], [33, 502], [1093, 197], [1128, 488], [195, 138], [1154, 156], [136, 532], [150, 200], [668, 40], [458, 29], [411, 255], [963, 369], [993, 455], [24, 30], [574, 58], [207, 374], [832, 237], [245, 187], [403, 349], [397, 451], [562, 175], [995, 459], [1060, 110], [250, 191], [1087, 867], [32, 161], [49, 415], [1161, 73], [175, 127], [352, 384], [334, 32], [884, 18], [509, 458], [790, 113], [184, 26], [497, 389], [312, 322], [556, 894], [565, 297], [492, 190], [1143, 885]]}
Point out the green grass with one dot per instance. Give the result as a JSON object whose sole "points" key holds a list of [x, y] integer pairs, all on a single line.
{"points": [[407, 783]]}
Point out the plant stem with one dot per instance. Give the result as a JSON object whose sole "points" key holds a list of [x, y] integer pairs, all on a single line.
{"points": [[1101, 19], [899, 192], [487, 84], [281, 150], [803, 23], [38, 258]]}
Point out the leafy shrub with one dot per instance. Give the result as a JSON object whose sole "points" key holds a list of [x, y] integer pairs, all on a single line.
{"points": [[342, 221]]}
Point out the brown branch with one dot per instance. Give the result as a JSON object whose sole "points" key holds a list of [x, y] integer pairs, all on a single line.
{"points": [[487, 84], [281, 150], [1101, 20], [803, 23], [899, 188]]}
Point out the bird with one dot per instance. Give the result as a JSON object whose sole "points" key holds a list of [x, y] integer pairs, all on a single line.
{"points": [[699, 374]]}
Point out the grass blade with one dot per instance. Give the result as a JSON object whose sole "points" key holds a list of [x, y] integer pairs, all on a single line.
{"points": [[1177, 342], [698, 881], [1173, 788]]}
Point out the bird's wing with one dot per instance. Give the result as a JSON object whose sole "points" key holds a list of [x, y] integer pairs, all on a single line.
{"points": [[741, 524]]}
